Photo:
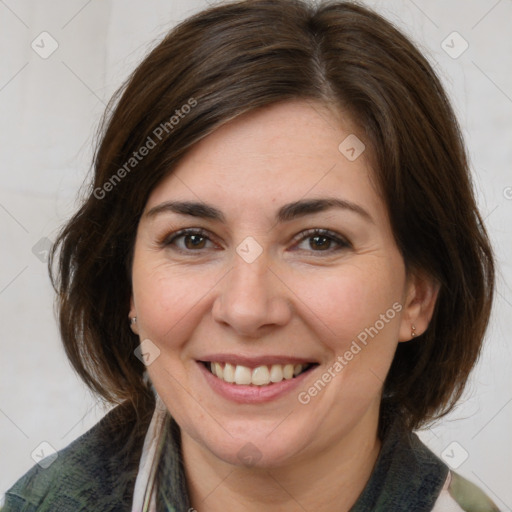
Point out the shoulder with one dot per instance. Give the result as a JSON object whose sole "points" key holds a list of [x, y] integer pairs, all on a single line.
{"points": [[409, 476], [99, 467], [459, 494]]}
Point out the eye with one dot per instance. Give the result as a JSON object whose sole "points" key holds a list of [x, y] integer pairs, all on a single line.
{"points": [[193, 239], [321, 240]]}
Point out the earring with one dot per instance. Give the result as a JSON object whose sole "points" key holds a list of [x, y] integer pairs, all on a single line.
{"points": [[413, 329], [133, 320]]}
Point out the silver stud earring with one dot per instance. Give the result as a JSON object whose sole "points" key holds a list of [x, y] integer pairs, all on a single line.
{"points": [[413, 329], [133, 320]]}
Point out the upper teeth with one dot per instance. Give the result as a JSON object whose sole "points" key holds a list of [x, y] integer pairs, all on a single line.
{"points": [[260, 376]]}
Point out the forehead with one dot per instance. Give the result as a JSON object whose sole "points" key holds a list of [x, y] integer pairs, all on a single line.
{"points": [[276, 154]]}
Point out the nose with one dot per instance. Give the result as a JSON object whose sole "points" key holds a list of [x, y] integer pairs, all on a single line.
{"points": [[252, 298]]}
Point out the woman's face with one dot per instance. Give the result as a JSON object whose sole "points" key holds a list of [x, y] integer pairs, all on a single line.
{"points": [[253, 289]]}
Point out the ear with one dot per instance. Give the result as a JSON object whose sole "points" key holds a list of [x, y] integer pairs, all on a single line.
{"points": [[133, 314], [421, 296]]}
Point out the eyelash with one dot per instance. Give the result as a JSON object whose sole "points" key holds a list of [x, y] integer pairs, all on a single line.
{"points": [[309, 233]]}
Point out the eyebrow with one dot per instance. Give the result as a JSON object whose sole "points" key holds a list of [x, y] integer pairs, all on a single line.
{"points": [[286, 213]]}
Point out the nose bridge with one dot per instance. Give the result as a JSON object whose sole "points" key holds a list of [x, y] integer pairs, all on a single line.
{"points": [[251, 296], [251, 278]]}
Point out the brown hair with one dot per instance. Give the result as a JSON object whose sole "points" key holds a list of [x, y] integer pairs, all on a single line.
{"points": [[234, 58]]}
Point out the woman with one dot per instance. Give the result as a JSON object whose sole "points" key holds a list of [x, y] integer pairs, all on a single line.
{"points": [[279, 272]]}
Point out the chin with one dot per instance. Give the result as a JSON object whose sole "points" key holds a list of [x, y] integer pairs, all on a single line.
{"points": [[255, 448]]}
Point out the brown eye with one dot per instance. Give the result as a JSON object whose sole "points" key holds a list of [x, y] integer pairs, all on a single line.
{"points": [[194, 241], [321, 240], [187, 240]]}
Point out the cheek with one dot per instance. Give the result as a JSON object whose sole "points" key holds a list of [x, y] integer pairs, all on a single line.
{"points": [[166, 299], [347, 301]]}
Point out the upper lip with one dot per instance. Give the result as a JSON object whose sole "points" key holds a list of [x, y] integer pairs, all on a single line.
{"points": [[253, 362]]}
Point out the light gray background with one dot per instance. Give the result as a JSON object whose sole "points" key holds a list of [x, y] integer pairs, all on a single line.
{"points": [[50, 109]]}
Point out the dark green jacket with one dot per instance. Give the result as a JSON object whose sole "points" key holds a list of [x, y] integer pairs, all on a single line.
{"points": [[97, 473]]}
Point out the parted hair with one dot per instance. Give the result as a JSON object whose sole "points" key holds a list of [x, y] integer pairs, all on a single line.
{"points": [[239, 56]]}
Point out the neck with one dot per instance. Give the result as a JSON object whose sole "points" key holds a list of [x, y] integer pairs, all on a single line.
{"points": [[326, 480]]}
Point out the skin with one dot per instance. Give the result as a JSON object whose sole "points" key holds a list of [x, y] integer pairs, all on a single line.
{"points": [[297, 298]]}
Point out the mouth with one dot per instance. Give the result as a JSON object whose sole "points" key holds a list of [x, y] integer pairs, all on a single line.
{"points": [[261, 376]]}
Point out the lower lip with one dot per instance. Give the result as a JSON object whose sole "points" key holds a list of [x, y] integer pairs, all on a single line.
{"points": [[251, 394]]}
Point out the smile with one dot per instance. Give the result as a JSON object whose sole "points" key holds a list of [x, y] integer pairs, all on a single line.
{"points": [[264, 375]]}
